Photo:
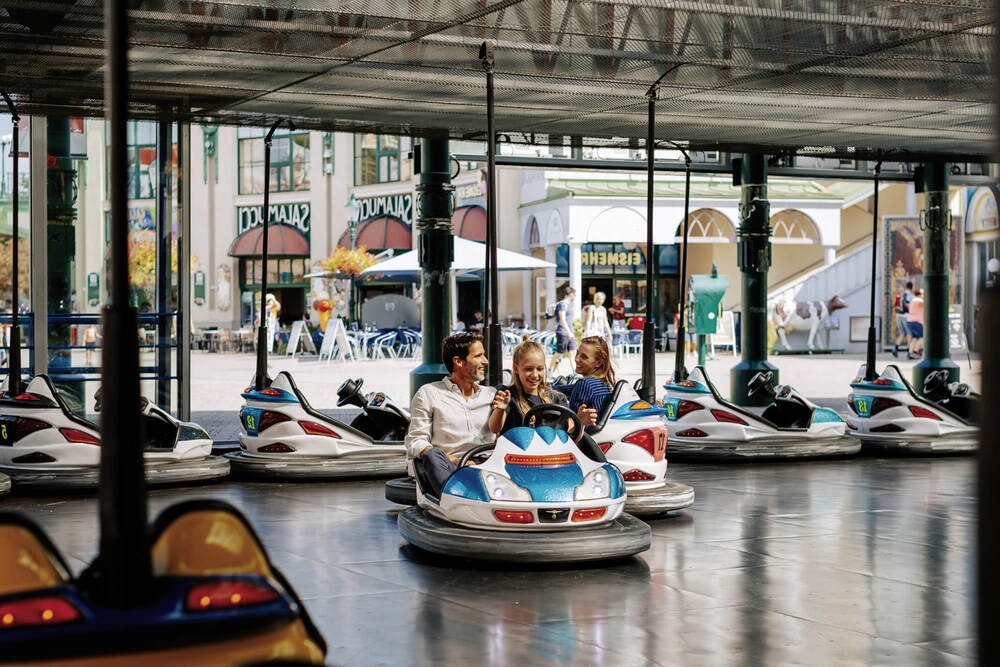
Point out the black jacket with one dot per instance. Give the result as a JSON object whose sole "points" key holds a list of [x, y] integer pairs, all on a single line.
{"points": [[515, 417]]}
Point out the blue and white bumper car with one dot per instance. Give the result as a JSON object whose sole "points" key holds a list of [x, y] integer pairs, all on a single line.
{"points": [[704, 425], [537, 498], [890, 416]]}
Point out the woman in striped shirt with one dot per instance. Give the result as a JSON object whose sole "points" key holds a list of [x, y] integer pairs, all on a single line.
{"points": [[589, 394]]}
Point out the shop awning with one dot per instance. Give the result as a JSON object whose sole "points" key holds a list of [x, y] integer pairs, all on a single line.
{"points": [[379, 233], [469, 222], [470, 257], [283, 240]]}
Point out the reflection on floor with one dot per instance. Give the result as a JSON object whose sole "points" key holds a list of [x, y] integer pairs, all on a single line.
{"points": [[866, 561]]}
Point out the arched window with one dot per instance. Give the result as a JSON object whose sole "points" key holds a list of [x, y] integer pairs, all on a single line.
{"points": [[534, 235], [792, 226], [706, 225]]}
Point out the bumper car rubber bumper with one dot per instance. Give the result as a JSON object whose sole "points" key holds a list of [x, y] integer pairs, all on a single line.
{"points": [[670, 497], [278, 467], [919, 445], [402, 491], [625, 536], [4, 485], [728, 450], [158, 473]]}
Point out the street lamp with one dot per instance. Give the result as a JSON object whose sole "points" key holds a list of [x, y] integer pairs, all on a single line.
{"points": [[352, 225]]}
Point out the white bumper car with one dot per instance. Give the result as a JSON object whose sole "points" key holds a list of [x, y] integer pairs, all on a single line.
{"points": [[890, 416], [537, 498], [703, 425], [286, 438], [45, 445]]}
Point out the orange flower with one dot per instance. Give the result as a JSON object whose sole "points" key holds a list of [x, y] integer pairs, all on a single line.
{"points": [[349, 262]]}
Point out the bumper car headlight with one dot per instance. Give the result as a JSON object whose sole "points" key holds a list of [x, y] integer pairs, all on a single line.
{"points": [[501, 488], [595, 485]]}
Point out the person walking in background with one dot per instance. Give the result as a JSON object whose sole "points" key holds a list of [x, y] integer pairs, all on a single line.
{"points": [[901, 307], [595, 322], [915, 325], [565, 336], [617, 311]]}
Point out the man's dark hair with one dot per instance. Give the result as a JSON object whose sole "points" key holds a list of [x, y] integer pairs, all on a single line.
{"points": [[457, 345], [909, 284]]}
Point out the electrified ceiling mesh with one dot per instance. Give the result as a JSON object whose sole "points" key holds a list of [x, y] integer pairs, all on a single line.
{"points": [[837, 76]]}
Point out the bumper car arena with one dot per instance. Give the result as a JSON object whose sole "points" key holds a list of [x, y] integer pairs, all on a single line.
{"points": [[731, 274]]}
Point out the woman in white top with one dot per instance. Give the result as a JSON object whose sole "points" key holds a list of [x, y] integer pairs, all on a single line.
{"points": [[595, 321]]}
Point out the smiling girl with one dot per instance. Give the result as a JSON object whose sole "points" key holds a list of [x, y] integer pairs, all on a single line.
{"points": [[592, 391], [527, 389]]}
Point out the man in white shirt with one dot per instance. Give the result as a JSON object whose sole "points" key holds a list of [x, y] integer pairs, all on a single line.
{"points": [[449, 417]]}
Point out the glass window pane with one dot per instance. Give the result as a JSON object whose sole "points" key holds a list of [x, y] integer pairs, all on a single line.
{"points": [[285, 270], [274, 178], [393, 168], [145, 132], [383, 169], [285, 174], [281, 150], [301, 176], [272, 271], [301, 147], [298, 270], [389, 143]]}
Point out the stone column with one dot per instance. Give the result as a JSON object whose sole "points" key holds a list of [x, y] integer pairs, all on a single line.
{"points": [[436, 251], [754, 259], [575, 277], [937, 228]]}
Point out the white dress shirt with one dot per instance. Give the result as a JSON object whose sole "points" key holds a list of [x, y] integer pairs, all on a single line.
{"points": [[441, 416]]}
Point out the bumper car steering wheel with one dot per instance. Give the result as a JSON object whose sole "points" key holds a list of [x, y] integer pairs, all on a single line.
{"points": [[476, 452], [555, 416], [349, 393], [936, 382], [761, 381]]}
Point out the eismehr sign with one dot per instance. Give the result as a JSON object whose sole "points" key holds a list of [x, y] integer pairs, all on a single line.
{"points": [[297, 215]]}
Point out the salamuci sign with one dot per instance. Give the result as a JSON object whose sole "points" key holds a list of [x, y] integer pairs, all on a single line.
{"points": [[398, 206], [297, 215]]}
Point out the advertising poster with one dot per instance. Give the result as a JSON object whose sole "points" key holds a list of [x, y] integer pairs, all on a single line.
{"points": [[903, 243]]}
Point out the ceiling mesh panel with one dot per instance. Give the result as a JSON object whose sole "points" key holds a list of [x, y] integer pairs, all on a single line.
{"points": [[851, 76]]}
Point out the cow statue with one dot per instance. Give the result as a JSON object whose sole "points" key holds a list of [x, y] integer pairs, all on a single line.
{"points": [[787, 315]]}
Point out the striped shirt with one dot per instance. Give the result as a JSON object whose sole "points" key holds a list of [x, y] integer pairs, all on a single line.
{"points": [[591, 392]]}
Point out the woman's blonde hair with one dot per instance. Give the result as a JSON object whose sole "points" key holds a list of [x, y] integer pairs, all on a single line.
{"points": [[604, 371], [516, 390]]}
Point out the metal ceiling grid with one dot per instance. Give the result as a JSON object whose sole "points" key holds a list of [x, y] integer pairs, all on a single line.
{"points": [[852, 76]]}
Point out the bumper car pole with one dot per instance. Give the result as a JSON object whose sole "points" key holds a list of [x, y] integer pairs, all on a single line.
{"points": [[14, 385], [124, 552], [870, 373], [260, 378], [494, 337], [647, 388]]}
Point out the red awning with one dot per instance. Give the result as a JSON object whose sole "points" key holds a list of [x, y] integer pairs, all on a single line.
{"points": [[283, 240], [469, 222], [379, 234]]}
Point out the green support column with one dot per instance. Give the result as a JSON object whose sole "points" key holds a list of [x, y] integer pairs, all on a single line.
{"points": [[436, 248], [61, 252], [754, 258], [937, 226]]}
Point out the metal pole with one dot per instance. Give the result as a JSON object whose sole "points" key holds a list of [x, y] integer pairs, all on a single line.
{"points": [[39, 202], [14, 384], [436, 250], [680, 371], [753, 254], [184, 270], [870, 373], [494, 337], [937, 230], [260, 378], [163, 251], [647, 389], [124, 550]]}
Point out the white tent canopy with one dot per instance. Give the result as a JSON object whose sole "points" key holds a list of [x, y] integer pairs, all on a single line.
{"points": [[470, 256]]}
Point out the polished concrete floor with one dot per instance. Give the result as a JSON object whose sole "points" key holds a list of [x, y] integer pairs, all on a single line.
{"points": [[866, 561]]}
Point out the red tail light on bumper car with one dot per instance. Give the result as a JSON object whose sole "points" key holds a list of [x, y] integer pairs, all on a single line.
{"points": [[692, 433], [50, 610], [643, 438], [269, 418], [227, 594], [312, 428], [276, 448], [73, 435], [589, 514], [728, 417], [685, 407], [918, 411], [638, 476]]}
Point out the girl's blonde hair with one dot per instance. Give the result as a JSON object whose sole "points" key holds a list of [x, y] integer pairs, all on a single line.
{"points": [[604, 371], [517, 391]]}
